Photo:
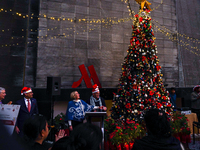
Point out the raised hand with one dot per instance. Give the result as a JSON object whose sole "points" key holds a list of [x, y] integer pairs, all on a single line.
{"points": [[60, 135]]}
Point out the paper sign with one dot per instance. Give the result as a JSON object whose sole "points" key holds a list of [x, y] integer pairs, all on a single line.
{"points": [[8, 116]]}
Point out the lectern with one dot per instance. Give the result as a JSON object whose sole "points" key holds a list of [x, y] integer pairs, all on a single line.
{"points": [[97, 118]]}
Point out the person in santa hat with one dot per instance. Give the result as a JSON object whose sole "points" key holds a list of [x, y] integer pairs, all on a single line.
{"points": [[28, 107], [195, 101], [96, 100]]}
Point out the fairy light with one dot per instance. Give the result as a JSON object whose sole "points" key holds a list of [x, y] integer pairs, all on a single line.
{"points": [[108, 22], [61, 18], [194, 40], [49, 37], [157, 6], [129, 8], [179, 42]]}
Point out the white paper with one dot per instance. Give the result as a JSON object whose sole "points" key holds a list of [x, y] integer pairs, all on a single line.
{"points": [[8, 116]]}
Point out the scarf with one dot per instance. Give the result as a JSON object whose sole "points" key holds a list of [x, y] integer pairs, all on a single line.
{"points": [[93, 100]]}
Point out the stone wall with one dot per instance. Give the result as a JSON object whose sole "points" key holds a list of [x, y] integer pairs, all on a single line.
{"points": [[64, 45], [189, 46], [167, 50]]}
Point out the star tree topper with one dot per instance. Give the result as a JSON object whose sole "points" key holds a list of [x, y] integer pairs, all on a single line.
{"points": [[144, 3]]}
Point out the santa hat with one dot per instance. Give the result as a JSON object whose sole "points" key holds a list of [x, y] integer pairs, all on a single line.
{"points": [[197, 86], [95, 88], [25, 90]]}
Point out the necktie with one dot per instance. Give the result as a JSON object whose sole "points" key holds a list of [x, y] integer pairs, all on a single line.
{"points": [[29, 105]]}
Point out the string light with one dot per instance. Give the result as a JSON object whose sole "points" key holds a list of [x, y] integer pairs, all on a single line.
{"points": [[49, 37], [194, 40], [67, 35], [23, 15], [85, 20], [131, 12], [167, 34], [112, 22], [5, 30], [157, 6], [107, 22], [179, 42], [5, 10], [79, 20]]}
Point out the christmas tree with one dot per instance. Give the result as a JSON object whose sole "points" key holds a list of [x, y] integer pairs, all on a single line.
{"points": [[140, 85]]}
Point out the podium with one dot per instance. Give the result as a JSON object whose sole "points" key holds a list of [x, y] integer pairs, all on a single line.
{"points": [[97, 118]]}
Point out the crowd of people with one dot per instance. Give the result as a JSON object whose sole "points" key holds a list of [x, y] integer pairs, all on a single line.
{"points": [[32, 128]]}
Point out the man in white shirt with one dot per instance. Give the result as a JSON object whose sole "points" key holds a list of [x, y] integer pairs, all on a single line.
{"points": [[28, 108]]}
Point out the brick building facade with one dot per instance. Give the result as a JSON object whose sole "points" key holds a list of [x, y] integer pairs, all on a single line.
{"points": [[64, 45]]}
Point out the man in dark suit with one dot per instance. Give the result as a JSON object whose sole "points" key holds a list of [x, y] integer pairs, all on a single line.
{"points": [[28, 108]]}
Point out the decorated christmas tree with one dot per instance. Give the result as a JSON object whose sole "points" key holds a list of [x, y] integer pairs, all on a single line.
{"points": [[140, 85]]}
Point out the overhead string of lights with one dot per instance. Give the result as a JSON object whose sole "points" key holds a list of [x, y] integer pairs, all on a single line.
{"points": [[64, 35], [84, 20], [44, 38], [157, 6], [131, 12], [169, 33], [173, 35], [179, 42], [194, 40], [109, 21]]}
